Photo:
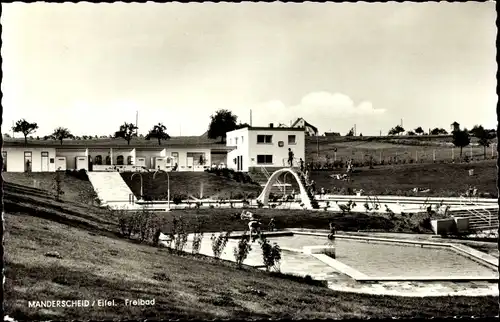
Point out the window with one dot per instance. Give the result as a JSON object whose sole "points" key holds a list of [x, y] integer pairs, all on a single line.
{"points": [[4, 161], [242, 140], [235, 141], [265, 159], [108, 160], [291, 139], [129, 160], [264, 139], [45, 154], [98, 160], [119, 160]]}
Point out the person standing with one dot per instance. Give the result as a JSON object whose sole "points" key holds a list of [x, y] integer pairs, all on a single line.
{"points": [[290, 157], [331, 235], [301, 165]]}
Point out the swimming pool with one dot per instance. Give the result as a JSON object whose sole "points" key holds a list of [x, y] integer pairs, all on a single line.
{"points": [[390, 260]]}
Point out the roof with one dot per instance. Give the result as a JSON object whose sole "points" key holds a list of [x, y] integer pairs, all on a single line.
{"points": [[187, 141], [267, 128], [305, 123]]}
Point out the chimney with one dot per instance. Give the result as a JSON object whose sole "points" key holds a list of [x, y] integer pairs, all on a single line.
{"points": [[271, 125]]}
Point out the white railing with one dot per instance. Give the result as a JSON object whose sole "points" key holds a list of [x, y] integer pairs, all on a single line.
{"points": [[475, 211], [295, 163]]}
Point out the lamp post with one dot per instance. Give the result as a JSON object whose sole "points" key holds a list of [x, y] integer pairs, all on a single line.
{"points": [[168, 185], [140, 175]]}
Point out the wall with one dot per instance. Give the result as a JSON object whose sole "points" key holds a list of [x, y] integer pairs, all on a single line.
{"points": [[241, 148], [15, 158], [280, 154], [182, 160], [148, 154], [70, 155]]}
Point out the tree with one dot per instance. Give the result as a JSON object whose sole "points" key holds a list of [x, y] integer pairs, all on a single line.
{"points": [[419, 130], [410, 133], [437, 131], [396, 130], [158, 132], [461, 138], [127, 131], [222, 122], [60, 134], [351, 132], [25, 127], [484, 136]]}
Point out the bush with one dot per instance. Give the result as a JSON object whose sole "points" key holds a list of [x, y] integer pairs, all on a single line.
{"points": [[219, 243], [242, 249], [177, 199], [57, 186], [197, 238], [270, 254], [179, 234]]}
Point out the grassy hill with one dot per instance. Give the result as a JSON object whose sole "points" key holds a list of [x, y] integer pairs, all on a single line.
{"points": [[443, 179], [418, 148], [95, 263], [189, 183]]}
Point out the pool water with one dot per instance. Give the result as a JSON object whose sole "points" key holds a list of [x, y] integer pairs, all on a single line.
{"points": [[378, 259]]}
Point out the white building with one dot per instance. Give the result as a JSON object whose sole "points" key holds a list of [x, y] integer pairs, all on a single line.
{"points": [[256, 147], [310, 129], [179, 154]]}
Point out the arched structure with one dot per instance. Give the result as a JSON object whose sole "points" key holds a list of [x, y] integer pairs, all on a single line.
{"points": [[264, 196]]}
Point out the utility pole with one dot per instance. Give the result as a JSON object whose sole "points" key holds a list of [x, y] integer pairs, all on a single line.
{"points": [[317, 144], [137, 123], [354, 129], [250, 117]]}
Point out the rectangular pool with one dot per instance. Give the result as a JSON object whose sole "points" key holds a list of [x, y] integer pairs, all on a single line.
{"points": [[383, 259]]}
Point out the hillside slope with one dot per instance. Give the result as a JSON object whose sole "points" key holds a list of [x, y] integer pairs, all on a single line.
{"points": [[189, 183]]}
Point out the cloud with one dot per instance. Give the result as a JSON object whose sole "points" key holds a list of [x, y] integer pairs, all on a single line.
{"points": [[322, 109]]}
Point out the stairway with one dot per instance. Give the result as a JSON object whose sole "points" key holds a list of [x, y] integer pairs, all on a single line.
{"points": [[480, 219], [110, 187], [314, 202]]}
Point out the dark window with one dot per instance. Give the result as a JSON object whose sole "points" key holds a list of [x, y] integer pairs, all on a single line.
{"points": [[27, 161], [119, 160], [129, 160], [51, 160], [264, 159], [264, 139], [98, 160], [291, 139]]}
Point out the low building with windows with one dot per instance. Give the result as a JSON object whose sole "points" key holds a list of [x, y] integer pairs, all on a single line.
{"points": [[176, 154], [257, 147]]}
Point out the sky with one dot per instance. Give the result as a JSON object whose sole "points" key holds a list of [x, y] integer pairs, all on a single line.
{"points": [[91, 67]]}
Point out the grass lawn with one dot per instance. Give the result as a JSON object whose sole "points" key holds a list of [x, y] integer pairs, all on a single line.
{"points": [[190, 183], [96, 264], [214, 220], [383, 148], [443, 179]]}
